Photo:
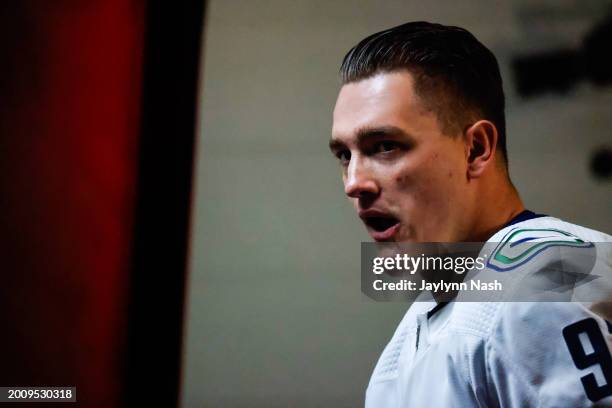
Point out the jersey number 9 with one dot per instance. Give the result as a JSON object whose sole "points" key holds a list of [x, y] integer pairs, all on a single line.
{"points": [[599, 355]]}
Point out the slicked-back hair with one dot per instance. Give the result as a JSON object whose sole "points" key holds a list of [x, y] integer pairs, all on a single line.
{"points": [[455, 75]]}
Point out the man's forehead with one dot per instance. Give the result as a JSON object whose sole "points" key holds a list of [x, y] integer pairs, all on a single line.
{"points": [[381, 100]]}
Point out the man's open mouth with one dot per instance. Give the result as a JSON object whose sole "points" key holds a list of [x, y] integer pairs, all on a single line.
{"points": [[381, 227]]}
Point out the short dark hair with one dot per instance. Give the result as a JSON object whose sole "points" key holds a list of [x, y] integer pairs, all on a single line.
{"points": [[454, 73]]}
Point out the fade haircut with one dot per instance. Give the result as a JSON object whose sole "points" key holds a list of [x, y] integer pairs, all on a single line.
{"points": [[455, 75]]}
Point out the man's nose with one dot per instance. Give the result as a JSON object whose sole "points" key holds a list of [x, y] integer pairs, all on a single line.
{"points": [[359, 181]]}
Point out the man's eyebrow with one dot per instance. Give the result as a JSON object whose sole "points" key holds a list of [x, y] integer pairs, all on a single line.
{"points": [[364, 133], [377, 132]]}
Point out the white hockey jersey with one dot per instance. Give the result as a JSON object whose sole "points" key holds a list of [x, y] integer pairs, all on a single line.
{"points": [[500, 354]]}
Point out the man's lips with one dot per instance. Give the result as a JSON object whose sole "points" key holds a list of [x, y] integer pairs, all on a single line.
{"points": [[381, 226]]}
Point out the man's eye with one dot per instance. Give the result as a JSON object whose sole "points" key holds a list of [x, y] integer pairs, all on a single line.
{"points": [[344, 156], [385, 146]]}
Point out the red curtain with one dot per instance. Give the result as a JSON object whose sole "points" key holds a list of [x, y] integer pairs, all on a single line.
{"points": [[70, 80]]}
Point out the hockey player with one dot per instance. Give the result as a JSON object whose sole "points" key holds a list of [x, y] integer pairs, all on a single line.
{"points": [[419, 130]]}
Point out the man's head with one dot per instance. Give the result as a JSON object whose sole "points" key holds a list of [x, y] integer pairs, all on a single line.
{"points": [[455, 75], [419, 129]]}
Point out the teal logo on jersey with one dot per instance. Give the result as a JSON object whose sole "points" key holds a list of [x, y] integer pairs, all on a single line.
{"points": [[521, 245]]}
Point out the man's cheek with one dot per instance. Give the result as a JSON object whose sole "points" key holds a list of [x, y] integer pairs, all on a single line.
{"points": [[415, 182], [405, 180]]}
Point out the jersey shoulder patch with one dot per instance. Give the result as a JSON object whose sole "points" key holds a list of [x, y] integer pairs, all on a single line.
{"points": [[521, 245]]}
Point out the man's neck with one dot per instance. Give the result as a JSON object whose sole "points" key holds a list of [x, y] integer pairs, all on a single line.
{"points": [[503, 204]]}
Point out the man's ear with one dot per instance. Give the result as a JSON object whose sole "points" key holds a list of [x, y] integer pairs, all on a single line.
{"points": [[481, 143]]}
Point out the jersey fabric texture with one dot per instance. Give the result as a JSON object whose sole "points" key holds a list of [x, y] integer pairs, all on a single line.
{"points": [[500, 354]]}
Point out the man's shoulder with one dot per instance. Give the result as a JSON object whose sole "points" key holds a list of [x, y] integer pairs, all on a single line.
{"points": [[550, 259]]}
